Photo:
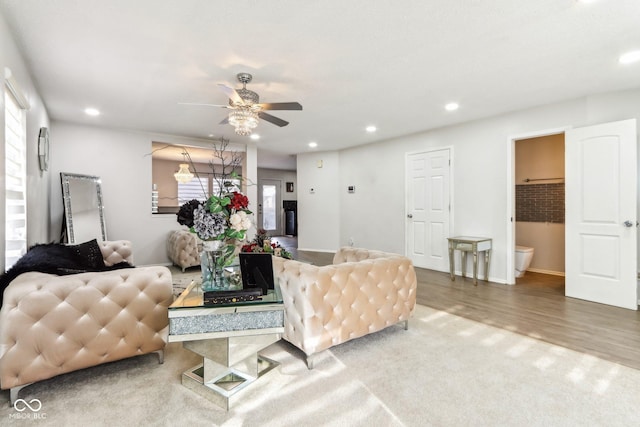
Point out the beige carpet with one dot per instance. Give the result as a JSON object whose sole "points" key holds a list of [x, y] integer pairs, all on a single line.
{"points": [[444, 371]]}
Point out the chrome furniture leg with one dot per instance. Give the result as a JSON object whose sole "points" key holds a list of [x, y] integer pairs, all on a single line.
{"points": [[13, 393]]}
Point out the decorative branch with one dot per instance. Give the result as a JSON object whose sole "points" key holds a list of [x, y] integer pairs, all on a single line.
{"points": [[229, 161]]}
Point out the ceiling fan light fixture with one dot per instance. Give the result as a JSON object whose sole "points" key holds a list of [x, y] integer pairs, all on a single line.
{"points": [[245, 109], [244, 119]]}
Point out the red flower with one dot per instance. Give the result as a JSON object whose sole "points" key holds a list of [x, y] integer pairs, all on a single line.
{"points": [[251, 247], [239, 201]]}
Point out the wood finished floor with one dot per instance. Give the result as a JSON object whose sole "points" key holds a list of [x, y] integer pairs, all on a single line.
{"points": [[535, 307]]}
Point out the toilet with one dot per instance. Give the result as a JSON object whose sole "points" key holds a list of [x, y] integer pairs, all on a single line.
{"points": [[524, 255]]}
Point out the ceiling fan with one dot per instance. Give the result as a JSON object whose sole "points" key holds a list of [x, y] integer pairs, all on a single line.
{"points": [[245, 108]]}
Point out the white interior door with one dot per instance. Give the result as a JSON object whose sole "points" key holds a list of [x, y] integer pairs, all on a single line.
{"points": [[270, 206], [428, 208], [601, 233]]}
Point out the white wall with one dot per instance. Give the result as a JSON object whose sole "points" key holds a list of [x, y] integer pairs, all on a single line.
{"points": [[318, 212], [375, 216], [123, 162], [547, 239], [37, 117]]}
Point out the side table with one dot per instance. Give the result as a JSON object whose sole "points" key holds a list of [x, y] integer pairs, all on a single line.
{"points": [[228, 337], [474, 245]]}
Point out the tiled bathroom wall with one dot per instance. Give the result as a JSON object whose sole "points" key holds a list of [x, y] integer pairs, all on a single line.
{"points": [[540, 203]]}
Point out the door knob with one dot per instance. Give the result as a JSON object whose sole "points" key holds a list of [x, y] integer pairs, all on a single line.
{"points": [[409, 216], [628, 223]]}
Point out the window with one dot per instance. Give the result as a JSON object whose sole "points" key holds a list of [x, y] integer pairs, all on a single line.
{"points": [[168, 195], [230, 186], [197, 188], [16, 180]]}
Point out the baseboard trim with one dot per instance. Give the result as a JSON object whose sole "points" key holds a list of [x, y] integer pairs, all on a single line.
{"points": [[157, 264], [553, 273], [458, 273], [327, 251]]}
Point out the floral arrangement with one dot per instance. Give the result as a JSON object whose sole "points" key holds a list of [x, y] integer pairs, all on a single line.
{"points": [[262, 243], [221, 218]]}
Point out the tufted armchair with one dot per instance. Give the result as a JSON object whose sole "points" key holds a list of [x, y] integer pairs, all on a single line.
{"points": [[182, 248], [363, 291], [51, 325]]}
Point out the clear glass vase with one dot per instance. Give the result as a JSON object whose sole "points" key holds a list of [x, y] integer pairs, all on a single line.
{"points": [[212, 264]]}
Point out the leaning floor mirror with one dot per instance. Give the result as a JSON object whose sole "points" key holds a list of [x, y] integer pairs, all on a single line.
{"points": [[83, 209]]}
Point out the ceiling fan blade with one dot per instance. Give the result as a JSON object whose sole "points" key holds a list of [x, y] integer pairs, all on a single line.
{"points": [[203, 105], [224, 121], [231, 93], [272, 119], [281, 106]]}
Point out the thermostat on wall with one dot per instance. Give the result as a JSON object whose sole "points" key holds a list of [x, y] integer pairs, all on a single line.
{"points": [[351, 189]]}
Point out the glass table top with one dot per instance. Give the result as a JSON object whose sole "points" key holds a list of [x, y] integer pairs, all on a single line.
{"points": [[193, 297]]}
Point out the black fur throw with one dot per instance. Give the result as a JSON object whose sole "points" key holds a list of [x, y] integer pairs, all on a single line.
{"points": [[60, 259]]}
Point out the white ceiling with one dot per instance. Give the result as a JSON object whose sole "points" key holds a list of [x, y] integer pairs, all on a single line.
{"points": [[391, 63]]}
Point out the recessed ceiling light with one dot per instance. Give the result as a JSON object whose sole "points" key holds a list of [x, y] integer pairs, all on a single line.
{"points": [[371, 129], [91, 112], [630, 57], [452, 106], [255, 136], [313, 144], [210, 135]]}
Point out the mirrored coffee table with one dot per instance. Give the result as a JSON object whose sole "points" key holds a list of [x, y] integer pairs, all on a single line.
{"points": [[228, 336]]}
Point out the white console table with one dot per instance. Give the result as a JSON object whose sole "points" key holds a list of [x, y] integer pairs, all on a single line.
{"points": [[474, 245]]}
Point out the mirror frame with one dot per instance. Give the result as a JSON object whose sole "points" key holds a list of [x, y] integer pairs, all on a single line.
{"points": [[65, 179]]}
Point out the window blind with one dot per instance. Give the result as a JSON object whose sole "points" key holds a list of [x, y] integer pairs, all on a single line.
{"points": [[15, 181], [197, 188]]}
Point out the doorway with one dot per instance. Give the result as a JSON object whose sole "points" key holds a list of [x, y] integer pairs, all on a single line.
{"points": [[511, 194], [600, 212], [270, 206], [539, 206]]}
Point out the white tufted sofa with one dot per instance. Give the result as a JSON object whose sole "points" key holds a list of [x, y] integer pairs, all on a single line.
{"points": [[363, 291], [51, 325], [182, 248]]}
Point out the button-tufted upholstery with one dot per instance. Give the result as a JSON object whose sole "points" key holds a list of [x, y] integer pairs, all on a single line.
{"points": [[363, 291], [182, 248], [50, 325], [116, 251]]}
